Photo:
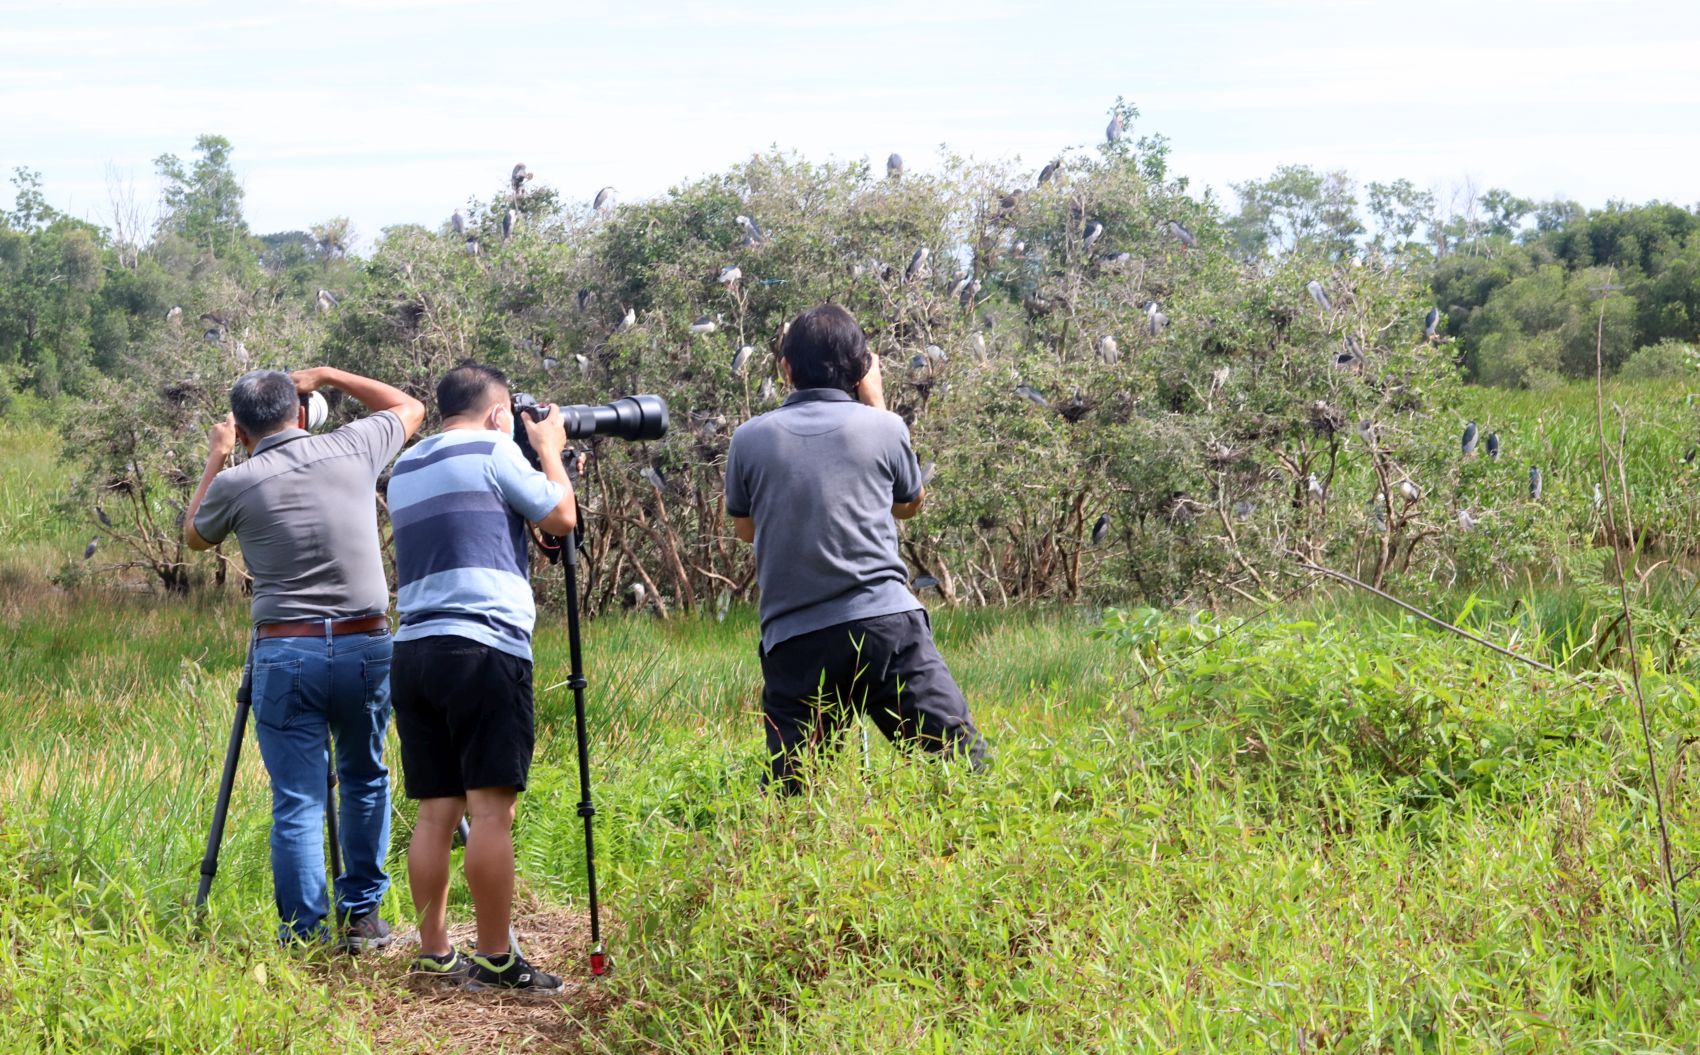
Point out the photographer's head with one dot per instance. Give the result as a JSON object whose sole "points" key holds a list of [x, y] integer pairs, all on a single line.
{"points": [[264, 402], [824, 348], [474, 396]]}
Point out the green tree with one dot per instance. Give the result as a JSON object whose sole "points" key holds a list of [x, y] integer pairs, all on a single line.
{"points": [[1298, 209], [203, 201]]}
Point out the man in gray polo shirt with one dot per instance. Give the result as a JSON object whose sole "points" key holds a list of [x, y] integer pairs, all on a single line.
{"points": [[818, 486], [305, 510]]}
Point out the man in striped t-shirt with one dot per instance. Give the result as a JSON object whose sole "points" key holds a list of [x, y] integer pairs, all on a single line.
{"points": [[461, 679]]}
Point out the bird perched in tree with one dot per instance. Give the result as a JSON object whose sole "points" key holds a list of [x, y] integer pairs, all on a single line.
{"points": [[1599, 499], [510, 216], [704, 324], [327, 300], [927, 472], [604, 200], [637, 594], [741, 360], [472, 244], [653, 478], [1218, 378], [1493, 446], [1314, 486], [1318, 294], [1466, 522], [936, 355], [1410, 490], [212, 336], [549, 364], [459, 221], [1179, 232], [960, 283], [1431, 324], [968, 295], [729, 275], [1108, 353], [175, 315], [1100, 528], [520, 176], [894, 167], [917, 265], [583, 362], [768, 392], [1155, 320], [1049, 172], [1113, 131], [1366, 431], [628, 320], [1091, 233], [100, 515], [1117, 261], [88, 550], [1467, 445], [752, 233], [1031, 395], [240, 353], [926, 582], [1535, 482], [583, 298]]}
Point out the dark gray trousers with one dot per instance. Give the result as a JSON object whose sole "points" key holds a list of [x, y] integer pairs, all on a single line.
{"points": [[886, 667]]}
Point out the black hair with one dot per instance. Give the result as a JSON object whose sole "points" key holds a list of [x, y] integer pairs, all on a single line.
{"points": [[264, 401], [826, 349], [467, 388]]}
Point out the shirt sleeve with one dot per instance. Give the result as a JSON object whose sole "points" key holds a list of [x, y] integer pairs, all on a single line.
{"points": [[905, 469], [214, 520], [378, 436], [737, 488], [526, 491]]}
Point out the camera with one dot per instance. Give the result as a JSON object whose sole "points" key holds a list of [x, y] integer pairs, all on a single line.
{"points": [[631, 418]]}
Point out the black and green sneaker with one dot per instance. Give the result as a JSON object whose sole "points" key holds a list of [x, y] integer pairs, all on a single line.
{"points": [[510, 972], [450, 967]]}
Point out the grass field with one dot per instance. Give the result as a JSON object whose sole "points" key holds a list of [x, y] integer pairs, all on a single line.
{"points": [[1331, 828]]}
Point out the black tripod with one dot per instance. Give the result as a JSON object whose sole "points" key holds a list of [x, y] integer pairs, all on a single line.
{"points": [[227, 780]]}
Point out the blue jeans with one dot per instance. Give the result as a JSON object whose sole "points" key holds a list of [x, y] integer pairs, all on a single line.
{"points": [[305, 690]]}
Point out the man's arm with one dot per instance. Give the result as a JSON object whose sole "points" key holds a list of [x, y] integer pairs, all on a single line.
{"points": [[220, 442], [744, 528], [373, 395], [549, 440], [905, 510], [871, 388]]}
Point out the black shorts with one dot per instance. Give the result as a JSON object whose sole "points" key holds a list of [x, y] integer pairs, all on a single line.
{"points": [[886, 667], [464, 714]]}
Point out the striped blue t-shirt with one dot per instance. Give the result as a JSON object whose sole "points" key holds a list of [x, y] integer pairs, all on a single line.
{"points": [[459, 502]]}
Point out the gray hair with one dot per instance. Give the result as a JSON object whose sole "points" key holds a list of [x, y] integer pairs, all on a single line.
{"points": [[264, 401]]}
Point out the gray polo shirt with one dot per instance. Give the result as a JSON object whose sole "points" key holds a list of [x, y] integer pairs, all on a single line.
{"points": [[305, 509], [819, 476]]}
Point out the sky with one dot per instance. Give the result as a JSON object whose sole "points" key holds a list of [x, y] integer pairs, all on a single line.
{"points": [[391, 112]]}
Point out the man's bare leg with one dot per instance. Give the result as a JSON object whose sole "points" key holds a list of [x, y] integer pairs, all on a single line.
{"points": [[490, 865], [428, 869]]}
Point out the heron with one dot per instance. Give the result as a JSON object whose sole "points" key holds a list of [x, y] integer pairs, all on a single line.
{"points": [[979, 342], [1366, 431], [1468, 444], [1113, 131], [704, 324], [741, 360], [241, 354], [936, 355], [927, 472], [752, 233], [638, 594], [629, 319], [1431, 324], [604, 200], [583, 362], [1493, 446], [1410, 490], [88, 550], [1116, 261], [583, 298], [1091, 233], [768, 392], [1535, 482], [1155, 320], [969, 293], [549, 364], [472, 244], [100, 515], [917, 265], [960, 283], [722, 605], [1108, 353], [459, 221], [327, 300], [509, 217], [926, 582], [1318, 294], [652, 477], [894, 167], [520, 175], [1181, 234], [1314, 486], [1031, 395], [1218, 378], [1466, 522], [1599, 499], [175, 315], [1018, 249], [1100, 528], [212, 335], [1050, 171], [729, 275]]}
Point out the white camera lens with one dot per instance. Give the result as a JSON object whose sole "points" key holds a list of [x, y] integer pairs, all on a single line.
{"points": [[317, 410]]}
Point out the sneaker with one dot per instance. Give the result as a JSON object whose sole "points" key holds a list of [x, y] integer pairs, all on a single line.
{"points": [[367, 932], [452, 967], [510, 972]]}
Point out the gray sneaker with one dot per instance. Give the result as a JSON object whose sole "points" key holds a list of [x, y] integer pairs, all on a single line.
{"points": [[366, 933]]}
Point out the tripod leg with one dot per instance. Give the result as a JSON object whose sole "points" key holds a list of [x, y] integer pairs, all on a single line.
{"points": [[599, 963], [226, 781]]}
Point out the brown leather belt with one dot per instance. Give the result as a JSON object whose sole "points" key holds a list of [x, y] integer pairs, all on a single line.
{"points": [[365, 624]]}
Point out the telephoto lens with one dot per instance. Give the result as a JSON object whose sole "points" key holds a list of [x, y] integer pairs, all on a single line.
{"points": [[630, 418]]}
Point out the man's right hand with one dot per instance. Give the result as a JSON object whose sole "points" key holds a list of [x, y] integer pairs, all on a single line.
{"points": [[548, 436], [221, 439]]}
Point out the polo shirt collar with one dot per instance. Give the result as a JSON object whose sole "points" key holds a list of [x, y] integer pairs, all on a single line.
{"points": [[818, 395], [278, 437]]}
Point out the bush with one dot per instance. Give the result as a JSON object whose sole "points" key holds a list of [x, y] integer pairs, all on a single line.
{"points": [[1666, 359]]}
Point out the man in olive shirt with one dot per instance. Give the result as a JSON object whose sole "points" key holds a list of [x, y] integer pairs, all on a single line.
{"points": [[305, 510]]}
